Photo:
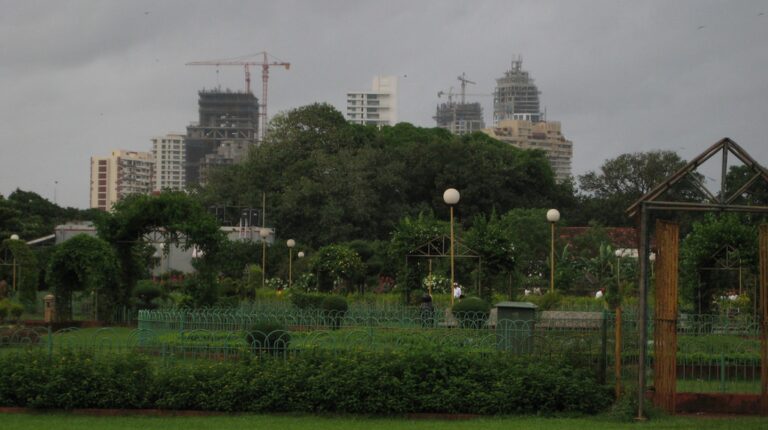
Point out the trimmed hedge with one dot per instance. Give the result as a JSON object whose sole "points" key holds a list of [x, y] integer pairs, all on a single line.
{"points": [[359, 382]]}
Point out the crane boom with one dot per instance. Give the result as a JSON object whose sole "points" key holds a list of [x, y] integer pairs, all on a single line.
{"points": [[265, 65]]}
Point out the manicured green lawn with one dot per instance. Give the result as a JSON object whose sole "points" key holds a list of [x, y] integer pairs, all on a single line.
{"points": [[14, 421]]}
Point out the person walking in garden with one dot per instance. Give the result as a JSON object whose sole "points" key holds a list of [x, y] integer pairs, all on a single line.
{"points": [[456, 290], [427, 311]]}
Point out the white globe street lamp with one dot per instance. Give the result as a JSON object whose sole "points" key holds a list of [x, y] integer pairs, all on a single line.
{"points": [[264, 233], [13, 285], [553, 216], [290, 243], [451, 197]]}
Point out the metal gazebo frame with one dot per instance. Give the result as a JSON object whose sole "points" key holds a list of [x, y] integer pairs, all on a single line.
{"points": [[440, 246]]}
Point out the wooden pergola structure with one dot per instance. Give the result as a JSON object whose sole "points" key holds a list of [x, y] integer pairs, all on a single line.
{"points": [[667, 244]]}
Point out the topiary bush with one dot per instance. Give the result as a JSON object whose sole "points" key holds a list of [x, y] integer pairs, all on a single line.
{"points": [[307, 300], [268, 336], [334, 309], [471, 312], [10, 310], [146, 293]]}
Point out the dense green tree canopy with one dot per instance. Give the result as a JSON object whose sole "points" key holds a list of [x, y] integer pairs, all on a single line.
{"points": [[330, 181], [30, 216], [621, 181]]}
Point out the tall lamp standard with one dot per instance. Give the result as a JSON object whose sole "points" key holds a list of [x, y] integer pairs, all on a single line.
{"points": [[264, 235], [553, 216], [13, 285], [290, 243], [451, 198]]}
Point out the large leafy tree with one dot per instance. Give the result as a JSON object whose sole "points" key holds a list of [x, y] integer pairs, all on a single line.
{"points": [[330, 181], [621, 181], [31, 216]]}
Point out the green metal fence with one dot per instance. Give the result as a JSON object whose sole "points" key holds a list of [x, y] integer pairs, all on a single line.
{"points": [[715, 354]]}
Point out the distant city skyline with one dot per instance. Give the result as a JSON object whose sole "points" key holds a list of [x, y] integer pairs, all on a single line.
{"points": [[83, 78]]}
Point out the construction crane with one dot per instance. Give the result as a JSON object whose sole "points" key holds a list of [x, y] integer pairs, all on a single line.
{"points": [[464, 81], [448, 93], [246, 63]]}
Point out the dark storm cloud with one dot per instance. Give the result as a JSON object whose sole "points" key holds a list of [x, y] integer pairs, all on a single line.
{"points": [[83, 78]]}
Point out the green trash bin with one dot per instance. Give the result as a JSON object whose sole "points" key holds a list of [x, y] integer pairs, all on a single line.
{"points": [[515, 322]]}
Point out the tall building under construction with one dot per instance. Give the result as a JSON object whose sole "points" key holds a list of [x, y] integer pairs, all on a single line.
{"points": [[516, 96], [460, 118], [227, 127]]}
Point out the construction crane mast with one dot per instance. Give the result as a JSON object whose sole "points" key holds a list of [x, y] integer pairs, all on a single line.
{"points": [[464, 82], [243, 61]]}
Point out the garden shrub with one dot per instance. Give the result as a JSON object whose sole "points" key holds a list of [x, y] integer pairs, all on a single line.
{"points": [[471, 312], [334, 309], [307, 300], [314, 381], [146, 292], [268, 336], [10, 310]]}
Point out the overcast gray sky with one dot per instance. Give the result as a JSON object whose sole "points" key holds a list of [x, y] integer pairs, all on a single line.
{"points": [[81, 78]]}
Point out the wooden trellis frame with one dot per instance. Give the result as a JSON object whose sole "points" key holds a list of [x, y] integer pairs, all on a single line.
{"points": [[723, 201]]}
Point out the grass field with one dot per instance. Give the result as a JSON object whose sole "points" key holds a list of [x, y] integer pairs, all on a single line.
{"points": [[19, 421]]}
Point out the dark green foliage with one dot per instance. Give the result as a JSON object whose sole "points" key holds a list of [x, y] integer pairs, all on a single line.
{"points": [[23, 261], [146, 294], [10, 310], [268, 336], [83, 263], [335, 304], [624, 179], [183, 220], [307, 300], [356, 382], [546, 302], [334, 308], [337, 266], [359, 181], [714, 240], [471, 312], [75, 380]]}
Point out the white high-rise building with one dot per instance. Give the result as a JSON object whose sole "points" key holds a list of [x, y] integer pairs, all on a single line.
{"points": [[169, 162], [375, 107], [119, 175]]}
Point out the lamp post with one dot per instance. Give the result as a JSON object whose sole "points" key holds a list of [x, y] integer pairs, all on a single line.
{"points": [[13, 285], [617, 331], [290, 243], [451, 198], [553, 216], [264, 235]]}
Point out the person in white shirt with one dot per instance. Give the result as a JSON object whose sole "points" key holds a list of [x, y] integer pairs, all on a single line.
{"points": [[600, 293], [456, 290]]}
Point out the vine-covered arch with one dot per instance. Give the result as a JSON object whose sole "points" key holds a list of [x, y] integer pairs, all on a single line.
{"points": [[19, 269], [179, 218], [83, 264]]}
